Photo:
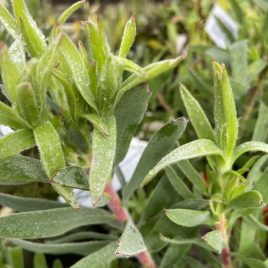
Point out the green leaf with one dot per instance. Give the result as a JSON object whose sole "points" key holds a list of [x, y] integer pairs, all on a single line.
{"points": [[52, 222], [9, 117], [50, 149], [73, 177], [239, 62], [214, 239], [97, 123], [255, 68], [56, 264], [69, 11], [251, 262], [15, 257], [32, 35], [8, 21], [128, 37], [79, 248], [131, 242], [66, 193], [10, 81], [40, 260], [261, 185], [129, 113], [98, 259], [27, 103], [197, 116], [190, 150], [77, 69], [178, 184], [260, 129], [17, 53], [103, 153], [249, 147], [256, 223], [16, 142], [188, 217], [246, 200], [18, 203], [153, 70], [192, 175], [224, 111], [159, 145], [20, 170]]}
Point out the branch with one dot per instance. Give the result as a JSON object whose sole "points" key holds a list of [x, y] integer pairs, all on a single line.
{"points": [[121, 215]]}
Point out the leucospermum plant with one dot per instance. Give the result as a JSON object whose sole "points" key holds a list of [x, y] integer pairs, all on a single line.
{"points": [[56, 92], [225, 195]]}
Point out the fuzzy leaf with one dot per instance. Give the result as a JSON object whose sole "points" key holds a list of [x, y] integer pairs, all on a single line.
{"points": [[9, 117], [18, 203], [17, 53], [50, 223], [16, 142], [20, 170], [249, 147], [224, 111], [129, 113], [190, 150], [128, 37], [8, 21], [73, 177], [10, 81], [159, 145], [97, 122], [50, 149], [187, 217], [80, 248], [103, 152], [214, 239], [260, 129], [246, 200], [32, 35], [77, 69], [131, 242], [98, 259], [197, 116]]}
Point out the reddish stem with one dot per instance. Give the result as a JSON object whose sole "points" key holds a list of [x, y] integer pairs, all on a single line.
{"points": [[121, 215], [225, 254]]}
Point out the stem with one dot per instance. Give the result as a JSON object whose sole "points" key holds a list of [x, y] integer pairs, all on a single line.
{"points": [[122, 215], [225, 254]]}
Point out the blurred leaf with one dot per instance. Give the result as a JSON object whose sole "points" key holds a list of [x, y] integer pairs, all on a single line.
{"points": [[255, 68], [52, 222], [9, 117], [178, 184], [40, 260], [260, 129], [246, 200], [103, 152], [262, 186], [214, 239], [131, 242], [79, 248], [129, 113], [226, 123], [20, 170], [159, 145], [32, 35], [50, 149], [197, 116], [15, 257], [190, 150], [262, 4], [16, 142], [18, 203], [237, 10], [187, 217], [17, 53], [98, 259]]}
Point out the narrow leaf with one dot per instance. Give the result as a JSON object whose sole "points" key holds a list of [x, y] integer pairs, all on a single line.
{"points": [[128, 37], [15, 257], [50, 223], [50, 149], [103, 152], [32, 35], [40, 260], [197, 116], [159, 145], [20, 170], [16, 142], [224, 111], [190, 150], [187, 217], [8, 21], [260, 129], [131, 242]]}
